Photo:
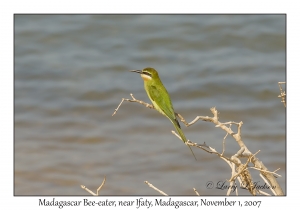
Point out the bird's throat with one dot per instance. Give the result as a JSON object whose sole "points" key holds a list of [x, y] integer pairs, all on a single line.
{"points": [[145, 77]]}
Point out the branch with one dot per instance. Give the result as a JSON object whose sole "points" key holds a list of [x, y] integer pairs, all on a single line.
{"points": [[244, 167], [196, 191], [133, 100], [282, 93], [158, 190], [234, 161], [244, 151], [98, 190]]}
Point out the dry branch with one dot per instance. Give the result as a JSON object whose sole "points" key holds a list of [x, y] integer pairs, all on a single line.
{"points": [[282, 93], [196, 191], [153, 187], [98, 190], [239, 171]]}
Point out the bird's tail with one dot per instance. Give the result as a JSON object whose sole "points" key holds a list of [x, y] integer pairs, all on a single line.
{"points": [[183, 138]]}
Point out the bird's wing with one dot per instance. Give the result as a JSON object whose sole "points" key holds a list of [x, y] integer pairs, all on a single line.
{"points": [[162, 98]]}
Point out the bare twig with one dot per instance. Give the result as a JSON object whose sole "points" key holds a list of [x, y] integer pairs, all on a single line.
{"points": [[267, 171], [88, 190], [98, 190], [215, 120], [231, 187], [205, 148], [196, 191], [282, 93], [133, 100], [158, 190], [224, 140], [263, 193]]}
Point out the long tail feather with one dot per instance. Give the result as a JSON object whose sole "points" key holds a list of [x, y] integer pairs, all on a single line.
{"points": [[183, 138]]}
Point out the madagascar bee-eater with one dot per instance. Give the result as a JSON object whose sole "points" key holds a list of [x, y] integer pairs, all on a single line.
{"points": [[160, 98]]}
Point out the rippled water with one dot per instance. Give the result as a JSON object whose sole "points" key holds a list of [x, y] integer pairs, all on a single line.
{"points": [[71, 72]]}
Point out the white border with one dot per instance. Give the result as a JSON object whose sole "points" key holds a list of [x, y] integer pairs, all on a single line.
{"points": [[153, 6]]}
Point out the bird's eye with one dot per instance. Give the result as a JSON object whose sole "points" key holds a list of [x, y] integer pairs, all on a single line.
{"points": [[147, 73]]}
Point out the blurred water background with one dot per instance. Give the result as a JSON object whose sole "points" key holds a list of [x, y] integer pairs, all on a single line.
{"points": [[71, 72]]}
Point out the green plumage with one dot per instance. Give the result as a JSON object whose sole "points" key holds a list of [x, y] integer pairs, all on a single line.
{"points": [[160, 98]]}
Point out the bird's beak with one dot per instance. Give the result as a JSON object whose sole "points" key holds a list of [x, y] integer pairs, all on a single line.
{"points": [[137, 71]]}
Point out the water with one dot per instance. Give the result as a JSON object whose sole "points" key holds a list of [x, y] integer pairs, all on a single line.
{"points": [[71, 72]]}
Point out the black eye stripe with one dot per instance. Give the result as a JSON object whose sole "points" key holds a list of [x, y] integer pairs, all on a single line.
{"points": [[147, 74]]}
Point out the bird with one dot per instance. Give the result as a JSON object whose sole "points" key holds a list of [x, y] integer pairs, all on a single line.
{"points": [[160, 98]]}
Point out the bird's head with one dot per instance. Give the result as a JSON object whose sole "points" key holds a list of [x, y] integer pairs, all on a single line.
{"points": [[147, 74]]}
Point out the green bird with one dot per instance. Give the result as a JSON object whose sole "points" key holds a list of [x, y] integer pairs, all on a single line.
{"points": [[160, 98]]}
